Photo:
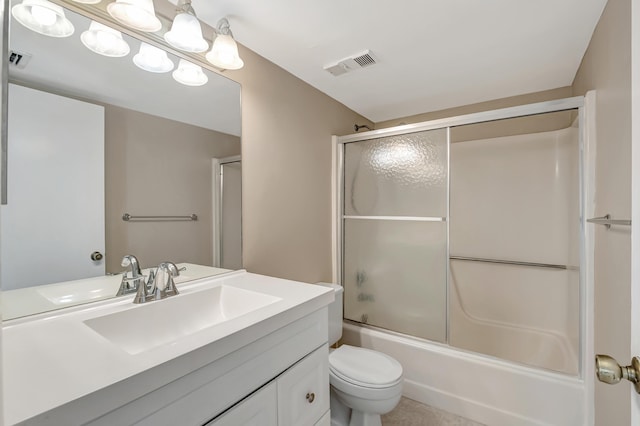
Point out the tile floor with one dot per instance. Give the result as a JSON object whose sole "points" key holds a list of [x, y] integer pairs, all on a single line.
{"points": [[412, 413]]}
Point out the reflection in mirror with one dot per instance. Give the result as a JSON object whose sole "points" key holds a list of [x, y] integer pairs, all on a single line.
{"points": [[93, 137]]}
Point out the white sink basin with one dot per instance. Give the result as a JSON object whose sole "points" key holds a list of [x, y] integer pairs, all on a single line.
{"points": [[161, 322]]}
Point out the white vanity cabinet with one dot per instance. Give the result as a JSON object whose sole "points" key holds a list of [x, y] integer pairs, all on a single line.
{"points": [[298, 397], [294, 358], [303, 390], [259, 409], [266, 367]]}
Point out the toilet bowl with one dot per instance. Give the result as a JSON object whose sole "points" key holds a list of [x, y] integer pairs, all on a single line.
{"points": [[364, 383]]}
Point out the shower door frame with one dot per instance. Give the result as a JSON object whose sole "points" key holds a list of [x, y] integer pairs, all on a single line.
{"points": [[586, 167]]}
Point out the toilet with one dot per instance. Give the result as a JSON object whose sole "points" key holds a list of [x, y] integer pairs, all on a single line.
{"points": [[364, 383]]}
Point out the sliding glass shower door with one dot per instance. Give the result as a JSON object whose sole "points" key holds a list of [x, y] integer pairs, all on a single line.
{"points": [[395, 211]]}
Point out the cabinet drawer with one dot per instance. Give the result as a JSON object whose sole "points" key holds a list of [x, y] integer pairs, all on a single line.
{"points": [[303, 390], [258, 409]]}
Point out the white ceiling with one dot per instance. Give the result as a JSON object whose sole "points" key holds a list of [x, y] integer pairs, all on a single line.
{"points": [[433, 54]]}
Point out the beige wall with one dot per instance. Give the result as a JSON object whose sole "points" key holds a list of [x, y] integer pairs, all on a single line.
{"points": [[606, 67], [286, 159], [155, 166]]}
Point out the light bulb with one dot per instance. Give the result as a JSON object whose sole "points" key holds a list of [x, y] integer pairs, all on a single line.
{"points": [[43, 15], [186, 34], [104, 40], [152, 59], [137, 14], [224, 53], [190, 74]]}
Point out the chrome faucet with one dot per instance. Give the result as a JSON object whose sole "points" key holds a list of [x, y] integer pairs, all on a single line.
{"points": [[130, 284], [153, 291]]}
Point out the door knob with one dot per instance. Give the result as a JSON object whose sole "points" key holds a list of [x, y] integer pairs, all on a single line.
{"points": [[609, 371], [96, 256]]}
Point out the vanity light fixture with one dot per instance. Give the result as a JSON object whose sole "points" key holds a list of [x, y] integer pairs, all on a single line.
{"points": [[43, 17], [88, 1], [186, 32], [190, 74], [152, 59], [224, 52], [137, 14], [104, 40]]}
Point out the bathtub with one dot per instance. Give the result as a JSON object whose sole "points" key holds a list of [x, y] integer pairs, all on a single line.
{"points": [[480, 388]]}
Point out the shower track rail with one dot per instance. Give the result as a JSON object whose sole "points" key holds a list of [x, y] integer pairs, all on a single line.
{"points": [[511, 262]]}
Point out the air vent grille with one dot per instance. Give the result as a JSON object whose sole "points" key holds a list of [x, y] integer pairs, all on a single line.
{"points": [[360, 60], [365, 60], [19, 59]]}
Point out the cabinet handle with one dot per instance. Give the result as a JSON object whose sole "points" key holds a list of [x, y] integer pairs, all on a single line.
{"points": [[311, 397]]}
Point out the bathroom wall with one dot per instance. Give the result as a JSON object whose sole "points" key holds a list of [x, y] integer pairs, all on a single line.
{"points": [[156, 166], [286, 181], [606, 67]]}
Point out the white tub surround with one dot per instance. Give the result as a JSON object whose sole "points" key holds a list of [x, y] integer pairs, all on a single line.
{"points": [[487, 390], [33, 300], [60, 370]]}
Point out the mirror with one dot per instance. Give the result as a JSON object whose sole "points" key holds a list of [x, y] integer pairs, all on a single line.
{"points": [[92, 139]]}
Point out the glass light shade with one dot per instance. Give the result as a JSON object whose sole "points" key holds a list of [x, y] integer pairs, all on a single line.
{"points": [[224, 53], [104, 40], [186, 34], [43, 17], [137, 14], [190, 74], [152, 59]]}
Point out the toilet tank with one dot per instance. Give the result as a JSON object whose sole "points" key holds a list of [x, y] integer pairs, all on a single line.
{"points": [[335, 313]]}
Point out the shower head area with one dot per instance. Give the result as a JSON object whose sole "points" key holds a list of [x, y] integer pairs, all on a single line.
{"points": [[467, 235]]}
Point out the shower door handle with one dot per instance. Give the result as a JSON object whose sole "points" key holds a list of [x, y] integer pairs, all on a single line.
{"points": [[609, 371]]}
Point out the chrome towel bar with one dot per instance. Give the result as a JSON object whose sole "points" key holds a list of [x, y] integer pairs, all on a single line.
{"points": [[130, 218], [510, 262], [607, 221]]}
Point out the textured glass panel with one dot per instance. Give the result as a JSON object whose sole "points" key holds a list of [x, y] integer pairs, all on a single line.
{"points": [[403, 175], [395, 275]]}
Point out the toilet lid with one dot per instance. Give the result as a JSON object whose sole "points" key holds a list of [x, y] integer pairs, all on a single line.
{"points": [[364, 367]]}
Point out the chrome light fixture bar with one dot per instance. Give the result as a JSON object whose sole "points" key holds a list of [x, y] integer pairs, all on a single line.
{"points": [[43, 17], [186, 32], [224, 52]]}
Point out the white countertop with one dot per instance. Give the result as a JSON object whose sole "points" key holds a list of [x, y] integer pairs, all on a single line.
{"points": [[51, 360], [44, 298]]}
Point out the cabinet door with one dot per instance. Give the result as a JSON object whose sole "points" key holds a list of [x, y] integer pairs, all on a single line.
{"points": [[258, 409], [303, 390], [325, 420]]}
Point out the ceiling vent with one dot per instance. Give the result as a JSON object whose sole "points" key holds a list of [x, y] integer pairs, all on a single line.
{"points": [[19, 59], [355, 62]]}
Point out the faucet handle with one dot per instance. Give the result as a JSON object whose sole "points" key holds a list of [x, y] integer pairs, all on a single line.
{"points": [[171, 271], [129, 284]]}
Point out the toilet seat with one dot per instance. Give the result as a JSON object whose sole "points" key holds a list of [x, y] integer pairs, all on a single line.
{"points": [[364, 367]]}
